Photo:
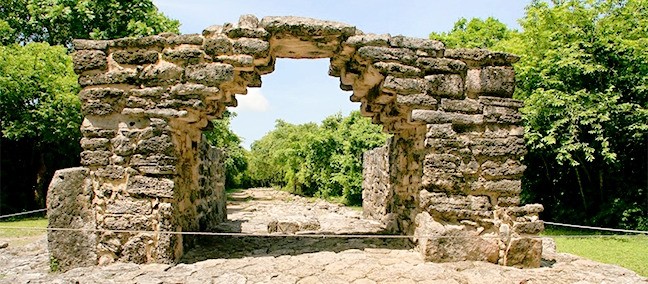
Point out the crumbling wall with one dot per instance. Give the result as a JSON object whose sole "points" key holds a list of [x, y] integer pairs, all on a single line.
{"points": [[453, 163]]}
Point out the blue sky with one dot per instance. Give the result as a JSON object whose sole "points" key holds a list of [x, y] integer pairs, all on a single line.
{"points": [[300, 91]]}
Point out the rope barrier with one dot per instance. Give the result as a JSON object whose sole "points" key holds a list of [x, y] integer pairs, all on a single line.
{"points": [[23, 213], [233, 234]]}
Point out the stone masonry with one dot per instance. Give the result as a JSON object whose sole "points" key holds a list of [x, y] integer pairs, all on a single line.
{"points": [[450, 174]]}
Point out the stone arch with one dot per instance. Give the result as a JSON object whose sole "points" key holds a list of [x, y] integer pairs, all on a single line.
{"points": [[452, 168]]}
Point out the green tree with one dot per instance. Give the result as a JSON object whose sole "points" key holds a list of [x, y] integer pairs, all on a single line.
{"points": [[60, 21], [476, 33], [40, 117], [236, 157], [583, 75], [316, 160]]}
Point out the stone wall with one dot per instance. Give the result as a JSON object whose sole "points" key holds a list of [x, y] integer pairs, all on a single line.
{"points": [[456, 138]]}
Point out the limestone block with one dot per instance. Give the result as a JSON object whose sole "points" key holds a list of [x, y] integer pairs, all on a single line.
{"points": [[129, 206], [95, 143], [190, 90], [240, 62], [150, 186], [69, 205], [502, 115], [446, 85], [482, 57], [111, 172], [184, 55], [526, 210], [491, 81], [419, 101], [95, 158], [252, 46], [386, 54], [468, 106], [455, 208], [134, 250], [441, 65], [396, 69], [293, 224], [154, 42], [511, 169], [80, 44], [441, 117], [440, 131], [368, 40], [505, 201], [137, 57], [192, 39], [164, 73], [442, 161], [533, 227], [94, 132], [100, 93], [433, 48], [154, 164], [126, 222], [500, 187], [404, 86], [118, 76], [524, 253], [448, 243], [306, 27], [210, 74], [496, 147], [89, 60], [247, 32], [155, 145], [218, 45], [501, 102]]}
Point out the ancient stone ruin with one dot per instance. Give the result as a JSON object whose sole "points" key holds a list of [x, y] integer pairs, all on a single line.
{"points": [[449, 176]]}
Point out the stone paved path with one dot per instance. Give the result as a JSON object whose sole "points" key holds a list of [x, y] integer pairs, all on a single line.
{"points": [[301, 259]]}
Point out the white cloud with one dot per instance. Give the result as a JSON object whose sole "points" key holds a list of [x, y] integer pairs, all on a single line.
{"points": [[254, 101]]}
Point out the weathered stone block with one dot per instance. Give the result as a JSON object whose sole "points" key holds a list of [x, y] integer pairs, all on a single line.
{"points": [[155, 145], [404, 86], [89, 60], [100, 93], [511, 169], [491, 81], [440, 131], [440, 65], [431, 47], [396, 69], [163, 73], [368, 40], [210, 74], [69, 205], [119, 76], [150, 186], [95, 143], [219, 45], [481, 57], [190, 90], [150, 42], [420, 101], [240, 62], [446, 85], [533, 228], [386, 54], [127, 222], [129, 206], [95, 158], [193, 39], [252, 46], [293, 224], [501, 187], [512, 147], [441, 117], [524, 253], [137, 57], [154, 164], [502, 115], [306, 27], [189, 55], [469, 106], [448, 243], [80, 44]]}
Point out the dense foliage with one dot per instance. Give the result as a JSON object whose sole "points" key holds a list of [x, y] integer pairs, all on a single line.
{"points": [[59, 21], [584, 79], [316, 160], [39, 107]]}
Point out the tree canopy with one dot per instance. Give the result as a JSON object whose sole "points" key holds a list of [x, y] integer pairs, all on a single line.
{"points": [[583, 75], [59, 21]]}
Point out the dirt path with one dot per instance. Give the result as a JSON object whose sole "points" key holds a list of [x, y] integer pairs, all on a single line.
{"points": [[302, 259]]}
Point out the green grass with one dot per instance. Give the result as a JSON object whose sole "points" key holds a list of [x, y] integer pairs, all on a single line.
{"points": [[629, 251], [19, 233]]}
